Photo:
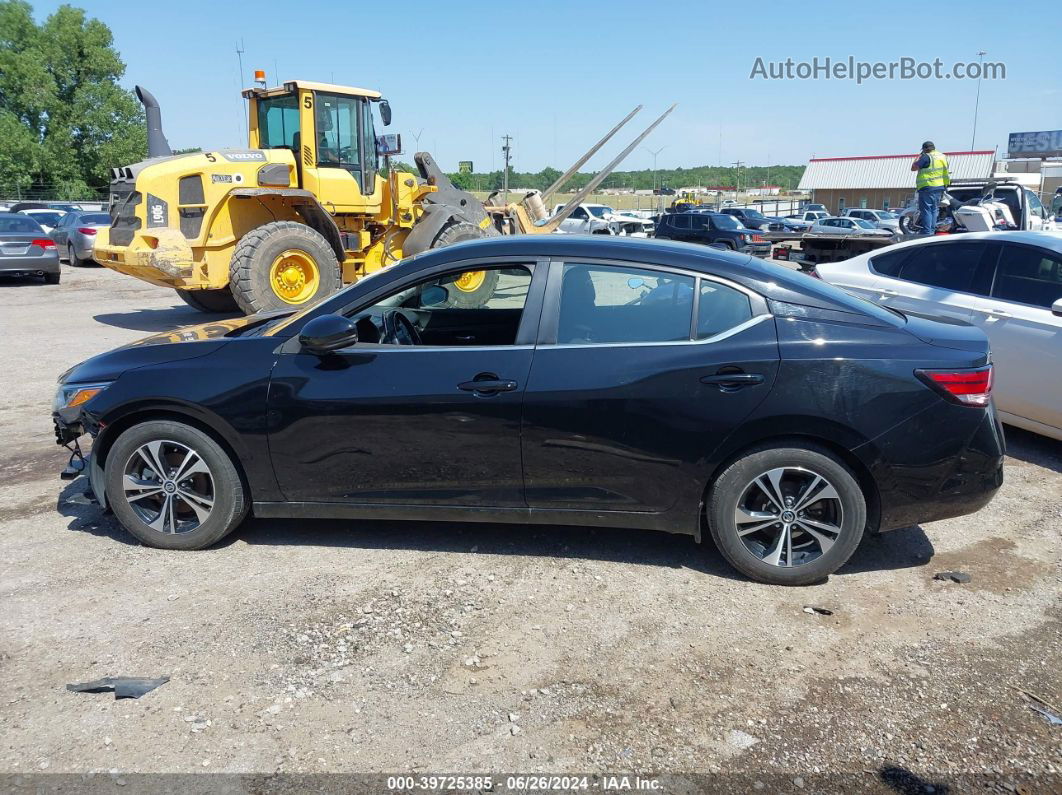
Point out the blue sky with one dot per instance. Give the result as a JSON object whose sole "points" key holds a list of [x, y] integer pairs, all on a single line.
{"points": [[557, 75]]}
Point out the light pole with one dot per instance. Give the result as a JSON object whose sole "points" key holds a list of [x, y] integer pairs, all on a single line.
{"points": [[654, 154], [977, 101]]}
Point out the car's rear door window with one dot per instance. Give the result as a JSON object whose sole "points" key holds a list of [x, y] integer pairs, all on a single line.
{"points": [[1028, 275], [602, 304], [950, 266]]}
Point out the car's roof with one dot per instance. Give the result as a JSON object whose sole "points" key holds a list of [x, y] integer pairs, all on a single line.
{"points": [[764, 276]]}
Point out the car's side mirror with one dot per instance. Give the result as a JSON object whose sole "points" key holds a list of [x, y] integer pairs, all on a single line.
{"points": [[436, 295], [635, 282], [328, 333], [1056, 308]]}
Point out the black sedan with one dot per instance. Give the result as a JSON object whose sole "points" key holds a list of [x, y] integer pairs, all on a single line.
{"points": [[607, 381]]}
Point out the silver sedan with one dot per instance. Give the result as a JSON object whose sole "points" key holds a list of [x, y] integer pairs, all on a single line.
{"points": [[847, 226], [1007, 283], [75, 235], [26, 249]]}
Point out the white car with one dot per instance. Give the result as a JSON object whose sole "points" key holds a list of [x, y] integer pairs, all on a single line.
{"points": [[882, 219], [1007, 283], [48, 219], [847, 226], [600, 219]]}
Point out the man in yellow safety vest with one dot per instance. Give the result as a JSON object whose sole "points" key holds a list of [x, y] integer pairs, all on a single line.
{"points": [[931, 180]]}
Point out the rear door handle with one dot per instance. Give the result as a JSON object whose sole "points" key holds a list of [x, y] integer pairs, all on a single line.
{"points": [[488, 386], [730, 382]]}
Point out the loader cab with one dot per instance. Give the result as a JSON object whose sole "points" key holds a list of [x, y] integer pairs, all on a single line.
{"points": [[331, 132]]}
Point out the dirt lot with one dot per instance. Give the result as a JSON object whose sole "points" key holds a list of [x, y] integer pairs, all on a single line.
{"points": [[307, 646]]}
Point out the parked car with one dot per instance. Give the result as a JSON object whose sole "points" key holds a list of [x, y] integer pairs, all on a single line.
{"points": [[806, 218], [879, 218], [753, 219], [847, 226], [722, 231], [600, 219], [609, 382], [46, 218], [1009, 284], [26, 249], [75, 235]]}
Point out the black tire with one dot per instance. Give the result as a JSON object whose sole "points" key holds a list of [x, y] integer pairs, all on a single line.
{"points": [[249, 268], [458, 232], [731, 486], [74, 259], [51, 278], [907, 227], [227, 492], [210, 300]]}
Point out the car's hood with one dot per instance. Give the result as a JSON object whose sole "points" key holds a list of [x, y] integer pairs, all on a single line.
{"points": [[170, 346]]}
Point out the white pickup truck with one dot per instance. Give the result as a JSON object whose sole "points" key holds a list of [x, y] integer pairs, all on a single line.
{"points": [[600, 219]]}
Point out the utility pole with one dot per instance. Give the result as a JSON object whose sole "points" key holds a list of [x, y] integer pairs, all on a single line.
{"points": [[737, 176], [654, 154], [507, 153], [416, 137], [977, 101]]}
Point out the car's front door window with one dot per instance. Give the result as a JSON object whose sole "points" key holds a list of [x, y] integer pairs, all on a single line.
{"points": [[950, 266], [460, 308]]}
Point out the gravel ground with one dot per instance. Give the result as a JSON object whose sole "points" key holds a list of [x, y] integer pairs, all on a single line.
{"points": [[313, 646]]}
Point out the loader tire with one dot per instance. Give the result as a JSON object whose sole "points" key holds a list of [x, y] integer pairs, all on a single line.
{"points": [[210, 300], [282, 265], [473, 289]]}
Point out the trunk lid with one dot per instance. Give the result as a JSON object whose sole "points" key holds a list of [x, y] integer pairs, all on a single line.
{"points": [[947, 332]]}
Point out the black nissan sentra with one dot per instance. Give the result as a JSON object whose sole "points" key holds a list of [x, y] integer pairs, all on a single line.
{"points": [[606, 382]]}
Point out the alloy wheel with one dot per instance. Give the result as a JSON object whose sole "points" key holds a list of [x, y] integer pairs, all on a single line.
{"points": [[789, 516], [169, 486]]}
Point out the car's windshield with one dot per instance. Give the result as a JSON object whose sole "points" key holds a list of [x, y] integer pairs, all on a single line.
{"points": [[754, 214], [727, 222], [600, 210], [885, 215], [94, 218], [864, 224]]}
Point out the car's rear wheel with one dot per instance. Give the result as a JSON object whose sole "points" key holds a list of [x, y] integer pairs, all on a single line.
{"points": [[173, 487], [74, 259], [787, 515]]}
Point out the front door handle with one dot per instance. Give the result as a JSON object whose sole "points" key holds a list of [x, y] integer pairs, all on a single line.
{"points": [[731, 382], [489, 385]]}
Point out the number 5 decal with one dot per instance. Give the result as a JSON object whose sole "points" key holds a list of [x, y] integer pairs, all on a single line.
{"points": [[307, 102]]}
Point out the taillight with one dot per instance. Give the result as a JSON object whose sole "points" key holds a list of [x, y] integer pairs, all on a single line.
{"points": [[86, 230], [43, 242], [968, 387]]}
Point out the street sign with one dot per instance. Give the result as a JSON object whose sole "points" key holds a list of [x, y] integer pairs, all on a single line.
{"points": [[464, 166], [1035, 144]]}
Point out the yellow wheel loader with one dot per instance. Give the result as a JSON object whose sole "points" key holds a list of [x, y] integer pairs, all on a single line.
{"points": [[311, 204]]}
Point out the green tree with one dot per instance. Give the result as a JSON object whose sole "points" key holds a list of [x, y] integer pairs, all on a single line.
{"points": [[64, 120]]}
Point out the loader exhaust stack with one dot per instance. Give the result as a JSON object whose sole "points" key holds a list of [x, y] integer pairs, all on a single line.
{"points": [[158, 146]]}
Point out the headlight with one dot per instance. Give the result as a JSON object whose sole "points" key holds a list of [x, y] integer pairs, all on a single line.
{"points": [[71, 395]]}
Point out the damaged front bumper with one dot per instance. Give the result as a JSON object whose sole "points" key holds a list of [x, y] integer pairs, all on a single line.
{"points": [[69, 432]]}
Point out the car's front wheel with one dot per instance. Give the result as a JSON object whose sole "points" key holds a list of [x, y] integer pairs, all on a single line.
{"points": [[173, 487], [787, 515]]}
